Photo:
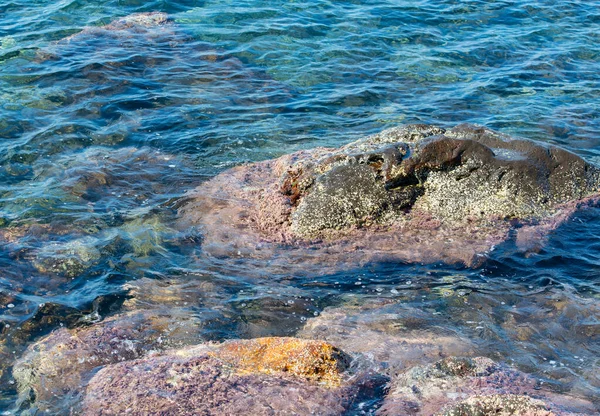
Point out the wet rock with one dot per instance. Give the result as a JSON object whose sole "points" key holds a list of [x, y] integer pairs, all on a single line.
{"points": [[468, 387], [68, 259], [500, 404], [390, 337], [146, 293], [258, 377], [48, 315], [307, 359], [148, 19], [128, 173], [53, 370], [414, 193], [127, 26]]}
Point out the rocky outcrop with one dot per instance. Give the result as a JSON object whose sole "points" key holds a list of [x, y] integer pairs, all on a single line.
{"points": [[122, 366], [262, 376], [413, 193], [404, 336], [476, 386], [424, 390], [52, 372], [499, 405]]}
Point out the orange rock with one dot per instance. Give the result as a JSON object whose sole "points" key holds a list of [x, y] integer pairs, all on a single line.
{"points": [[312, 360]]}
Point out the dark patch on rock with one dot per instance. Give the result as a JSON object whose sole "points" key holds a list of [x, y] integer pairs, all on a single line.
{"points": [[412, 193]]}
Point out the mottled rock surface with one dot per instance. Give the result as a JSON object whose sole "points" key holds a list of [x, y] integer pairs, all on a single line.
{"points": [[312, 360], [413, 193], [391, 338], [126, 26], [262, 376], [54, 369], [473, 387], [432, 365], [499, 405]]}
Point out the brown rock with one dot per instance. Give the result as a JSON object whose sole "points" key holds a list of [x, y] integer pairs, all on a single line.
{"points": [[415, 193], [311, 360]]}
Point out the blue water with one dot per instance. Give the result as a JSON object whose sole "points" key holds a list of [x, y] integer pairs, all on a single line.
{"points": [[100, 135]]}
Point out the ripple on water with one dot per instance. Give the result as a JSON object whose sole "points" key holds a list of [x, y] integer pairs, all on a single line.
{"points": [[103, 130]]}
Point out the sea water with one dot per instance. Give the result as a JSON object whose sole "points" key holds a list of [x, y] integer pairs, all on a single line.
{"points": [[101, 136]]}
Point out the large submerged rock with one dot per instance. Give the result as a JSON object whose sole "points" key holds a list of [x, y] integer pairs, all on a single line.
{"points": [[122, 366], [412, 193]]}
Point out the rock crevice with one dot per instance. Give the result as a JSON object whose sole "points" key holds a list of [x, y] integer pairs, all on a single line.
{"points": [[403, 193]]}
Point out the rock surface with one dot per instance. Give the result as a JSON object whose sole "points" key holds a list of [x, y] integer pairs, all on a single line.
{"points": [[499, 405], [54, 369], [122, 366], [472, 387], [262, 376], [390, 337], [433, 366], [413, 193]]}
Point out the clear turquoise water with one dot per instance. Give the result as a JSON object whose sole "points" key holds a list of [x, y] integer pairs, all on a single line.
{"points": [[99, 136]]}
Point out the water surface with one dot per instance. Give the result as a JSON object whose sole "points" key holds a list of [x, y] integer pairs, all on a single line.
{"points": [[102, 134]]}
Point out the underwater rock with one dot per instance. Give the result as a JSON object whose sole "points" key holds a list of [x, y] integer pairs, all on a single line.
{"points": [[137, 23], [307, 359], [398, 336], [260, 377], [54, 369], [414, 193], [477, 386], [68, 259], [500, 405], [130, 173], [390, 338]]}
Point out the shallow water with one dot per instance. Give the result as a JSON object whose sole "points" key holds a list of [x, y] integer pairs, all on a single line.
{"points": [[103, 133]]}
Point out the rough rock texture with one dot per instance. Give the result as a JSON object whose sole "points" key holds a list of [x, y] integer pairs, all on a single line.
{"points": [[282, 376], [413, 193], [469, 387], [125, 26], [53, 370], [428, 355], [499, 405], [66, 259], [391, 338], [312, 360]]}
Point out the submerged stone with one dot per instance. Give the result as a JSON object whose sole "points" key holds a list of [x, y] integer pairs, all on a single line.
{"points": [[307, 359], [478, 386], [390, 337], [413, 193], [68, 259], [499, 405], [262, 376], [126, 26]]}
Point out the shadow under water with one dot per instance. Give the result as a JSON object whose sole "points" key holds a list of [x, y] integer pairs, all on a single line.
{"points": [[105, 130]]}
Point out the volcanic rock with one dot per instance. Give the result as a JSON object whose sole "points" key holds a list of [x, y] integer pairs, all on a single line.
{"points": [[412, 193]]}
